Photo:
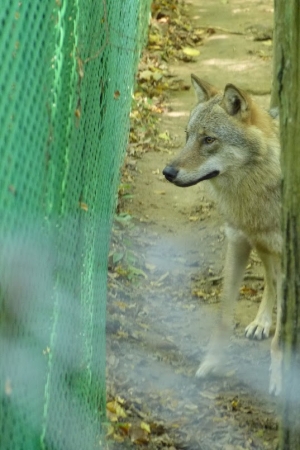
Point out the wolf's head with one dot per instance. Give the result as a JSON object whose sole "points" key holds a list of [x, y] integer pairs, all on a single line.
{"points": [[226, 131]]}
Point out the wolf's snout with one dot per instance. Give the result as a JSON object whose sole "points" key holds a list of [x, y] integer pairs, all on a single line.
{"points": [[170, 173]]}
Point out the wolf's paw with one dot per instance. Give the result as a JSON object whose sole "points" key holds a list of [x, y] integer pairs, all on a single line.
{"points": [[212, 365], [276, 374], [259, 329]]}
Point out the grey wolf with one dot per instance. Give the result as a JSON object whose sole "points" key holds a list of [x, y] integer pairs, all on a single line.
{"points": [[233, 144]]}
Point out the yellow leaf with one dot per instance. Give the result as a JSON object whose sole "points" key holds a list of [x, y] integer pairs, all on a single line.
{"points": [[124, 335], [154, 39], [114, 408], [268, 42], [145, 75], [120, 400], [83, 206], [112, 417], [199, 294], [190, 51], [111, 406], [156, 47], [120, 411], [157, 76], [164, 136], [145, 427], [234, 405], [118, 438], [110, 430]]}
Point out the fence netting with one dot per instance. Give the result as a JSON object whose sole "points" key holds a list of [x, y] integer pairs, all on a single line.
{"points": [[67, 74]]}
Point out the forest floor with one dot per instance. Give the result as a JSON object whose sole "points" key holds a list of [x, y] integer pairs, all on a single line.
{"points": [[168, 245]]}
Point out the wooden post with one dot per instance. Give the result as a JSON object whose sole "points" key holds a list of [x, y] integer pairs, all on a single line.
{"points": [[287, 15]]}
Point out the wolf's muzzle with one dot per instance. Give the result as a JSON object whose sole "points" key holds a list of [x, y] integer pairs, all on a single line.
{"points": [[170, 173]]}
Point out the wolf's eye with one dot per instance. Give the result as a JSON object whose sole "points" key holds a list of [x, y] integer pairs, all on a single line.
{"points": [[209, 140]]}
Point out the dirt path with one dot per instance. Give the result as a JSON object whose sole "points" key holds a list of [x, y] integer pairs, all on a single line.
{"points": [[158, 328]]}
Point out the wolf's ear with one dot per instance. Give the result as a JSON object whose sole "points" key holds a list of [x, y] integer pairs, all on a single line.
{"points": [[204, 91], [235, 101]]}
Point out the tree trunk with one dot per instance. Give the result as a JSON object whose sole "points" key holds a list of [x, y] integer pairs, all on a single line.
{"points": [[278, 33], [287, 38]]}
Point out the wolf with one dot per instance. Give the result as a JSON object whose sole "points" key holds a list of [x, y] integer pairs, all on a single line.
{"points": [[233, 144]]}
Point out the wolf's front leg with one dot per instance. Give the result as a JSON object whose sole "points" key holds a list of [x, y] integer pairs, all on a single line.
{"points": [[276, 351], [237, 256], [260, 327]]}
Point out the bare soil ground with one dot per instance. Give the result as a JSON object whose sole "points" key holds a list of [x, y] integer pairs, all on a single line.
{"points": [[159, 320]]}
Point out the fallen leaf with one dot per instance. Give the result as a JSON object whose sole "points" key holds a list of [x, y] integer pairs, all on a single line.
{"points": [[115, 408], [120, 400], [83, 206], [136, 271], [199, 294], [154, 39], [145, 426], [190, 51], [124, 427], [235, 405], [77, 113], [246, 290], [118, 438], [146, 75], [139, 436], [157, 76], [112, 417], [164, 136], [124, 335], [110, 430], [150, 267], [268, 42]]}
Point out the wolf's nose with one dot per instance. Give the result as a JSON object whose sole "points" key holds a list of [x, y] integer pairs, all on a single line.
{"points": [[170, 173]]}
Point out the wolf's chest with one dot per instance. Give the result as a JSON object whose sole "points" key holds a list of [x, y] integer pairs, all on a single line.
{"points": [[257, 217], [249, 212]]}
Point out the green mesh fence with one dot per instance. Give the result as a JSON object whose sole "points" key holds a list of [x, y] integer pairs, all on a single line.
{"points": [[67, 72]]}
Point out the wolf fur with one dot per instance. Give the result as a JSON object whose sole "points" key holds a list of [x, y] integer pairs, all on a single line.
{"points": [[233, 143]]}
